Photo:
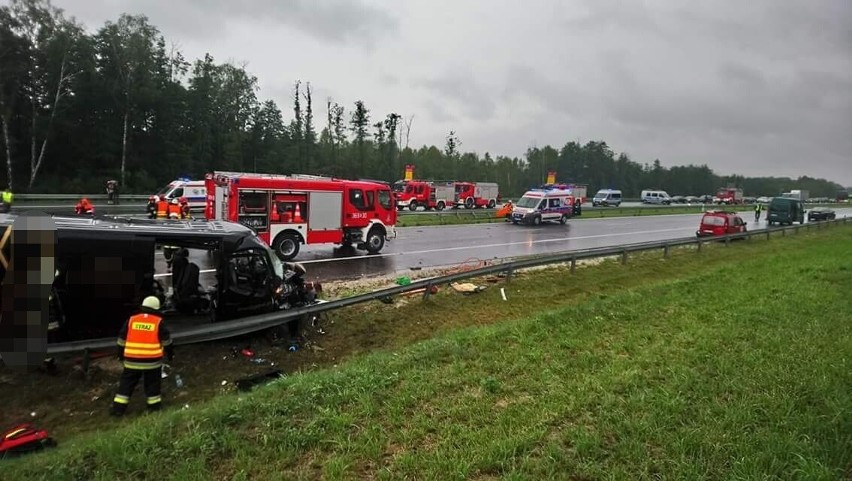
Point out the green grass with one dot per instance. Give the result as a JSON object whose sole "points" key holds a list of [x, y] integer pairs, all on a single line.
{"points": [[732, 364]]}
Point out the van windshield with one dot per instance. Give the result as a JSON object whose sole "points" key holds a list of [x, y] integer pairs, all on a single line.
{"points": [[528, 202], [164, 190]]}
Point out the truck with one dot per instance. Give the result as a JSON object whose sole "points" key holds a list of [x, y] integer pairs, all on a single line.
{"points": [[428, 194], [471, 195], [728, 196], [287, 211], [801, 195], [105, 267]]}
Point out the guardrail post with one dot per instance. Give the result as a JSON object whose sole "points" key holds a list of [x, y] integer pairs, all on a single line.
{"points": [[727, 240], [624, 257], [767, 234], [666, 251], [86, 360], [509, 272], [783, 232], [427, 292], [573, 264], [699, 245]]}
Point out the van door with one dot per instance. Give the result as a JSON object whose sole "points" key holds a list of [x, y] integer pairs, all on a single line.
{"points": [[247, 284]]}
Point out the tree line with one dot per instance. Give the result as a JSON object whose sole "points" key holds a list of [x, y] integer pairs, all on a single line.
{"points": [[77, 109]]}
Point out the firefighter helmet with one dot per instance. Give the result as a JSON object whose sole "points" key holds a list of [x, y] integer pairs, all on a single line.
{"points": [[175, 201], [151, 302]]}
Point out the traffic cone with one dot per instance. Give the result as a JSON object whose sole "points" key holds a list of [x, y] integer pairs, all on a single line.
{"points": [[297, 216]]}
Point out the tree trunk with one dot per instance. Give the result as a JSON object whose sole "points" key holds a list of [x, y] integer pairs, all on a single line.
{"points": [[8, 150], [36, 164], [124, 145]]}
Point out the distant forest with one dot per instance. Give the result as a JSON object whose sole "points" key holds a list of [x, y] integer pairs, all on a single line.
{"points": [[78, 109]]}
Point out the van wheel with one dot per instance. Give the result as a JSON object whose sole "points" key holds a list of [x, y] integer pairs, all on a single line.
{"points": [[441, 205], [375, 240], [286, 245], [491, 204], [412, 206], [563, 220], [536, 220]]}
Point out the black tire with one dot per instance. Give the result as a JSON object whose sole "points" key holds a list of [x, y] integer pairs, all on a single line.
{"points": [[492, 203], [468, 203], [536, 220], [286, 245], [564, 219], [375, 240], [441, 205], [412, 206]]}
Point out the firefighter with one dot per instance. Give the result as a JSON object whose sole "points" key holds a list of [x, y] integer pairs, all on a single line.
{"points": [[152, 206], [184, 208], [84, 207], [162, 208], [174, 209], [142, 342], [757, 209]]}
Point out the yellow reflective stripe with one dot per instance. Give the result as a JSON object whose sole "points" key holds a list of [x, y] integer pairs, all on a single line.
{"points": [[121, 399], [143, 365], [13, 433], [154, 399], [144, 345], [140, 352]]}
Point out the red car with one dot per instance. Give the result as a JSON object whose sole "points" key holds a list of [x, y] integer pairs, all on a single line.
{"points": [[717, 223]]}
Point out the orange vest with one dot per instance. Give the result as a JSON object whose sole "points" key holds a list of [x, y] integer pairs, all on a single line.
{"points": [[162, 208], [143, 337], [174, 211]]}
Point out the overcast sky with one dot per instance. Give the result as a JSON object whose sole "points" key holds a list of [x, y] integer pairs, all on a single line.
{"points": [[758, 87]]}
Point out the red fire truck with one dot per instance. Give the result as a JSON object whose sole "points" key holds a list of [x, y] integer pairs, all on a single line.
{"points": [[428, 194], [289, 210], [477, 194], [728, 195]]}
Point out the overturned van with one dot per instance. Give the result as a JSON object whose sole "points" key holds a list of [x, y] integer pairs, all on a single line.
{"points": [[106, 266]]}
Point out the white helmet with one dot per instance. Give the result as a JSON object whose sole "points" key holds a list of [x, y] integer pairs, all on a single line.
{"points": [[151, 302]]}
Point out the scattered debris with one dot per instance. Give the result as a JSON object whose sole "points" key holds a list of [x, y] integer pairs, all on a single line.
{"points": [[403, 281], [467, 288], [503, 293]]}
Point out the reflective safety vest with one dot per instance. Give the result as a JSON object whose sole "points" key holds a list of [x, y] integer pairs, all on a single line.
{"points": [[163, 208], [7, 197], [143, 337], [174, 211]]}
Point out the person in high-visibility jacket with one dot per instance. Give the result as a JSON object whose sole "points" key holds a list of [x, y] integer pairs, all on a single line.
{"points": [[84, 207], [143, 341], [162, 208], [174, 209], [6, 201]]}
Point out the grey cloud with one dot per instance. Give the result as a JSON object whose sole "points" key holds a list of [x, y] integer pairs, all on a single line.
{"points": [[462, 88], [336, 21]]}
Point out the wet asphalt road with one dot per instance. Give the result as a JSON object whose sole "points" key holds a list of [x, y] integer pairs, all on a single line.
{"points": [[449, 246]]}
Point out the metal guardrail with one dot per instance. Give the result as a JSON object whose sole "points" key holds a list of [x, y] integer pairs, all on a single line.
{"points": [[247, 325], [41, 197]]}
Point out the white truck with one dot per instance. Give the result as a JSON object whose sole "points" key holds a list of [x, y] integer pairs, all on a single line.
{"points": [[801, 195]]}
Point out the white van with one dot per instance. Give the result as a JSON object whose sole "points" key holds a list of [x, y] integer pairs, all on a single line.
{"points": [[195, 192], [543, 205], [655, 197], [606, 197]]}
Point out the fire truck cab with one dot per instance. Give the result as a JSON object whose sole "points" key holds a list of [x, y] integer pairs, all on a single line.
{"points": [[287, 211], [429, 194]]}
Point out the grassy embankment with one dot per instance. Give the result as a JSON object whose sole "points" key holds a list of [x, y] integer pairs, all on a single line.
{"points": [[718, 368]]}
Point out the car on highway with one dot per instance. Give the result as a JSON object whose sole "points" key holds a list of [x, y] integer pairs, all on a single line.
{"points": [[821, 213], [764, 200], [692, 199], [719, 223], [678, 199]]}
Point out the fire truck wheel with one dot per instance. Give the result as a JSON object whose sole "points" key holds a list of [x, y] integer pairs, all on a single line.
{"points": [[491, 203], [468, 203], [441, 205], [412, 206], [375, 240], [286, 245]]}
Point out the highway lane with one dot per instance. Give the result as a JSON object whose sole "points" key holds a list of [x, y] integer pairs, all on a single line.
{"points": [[447, 246]]}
